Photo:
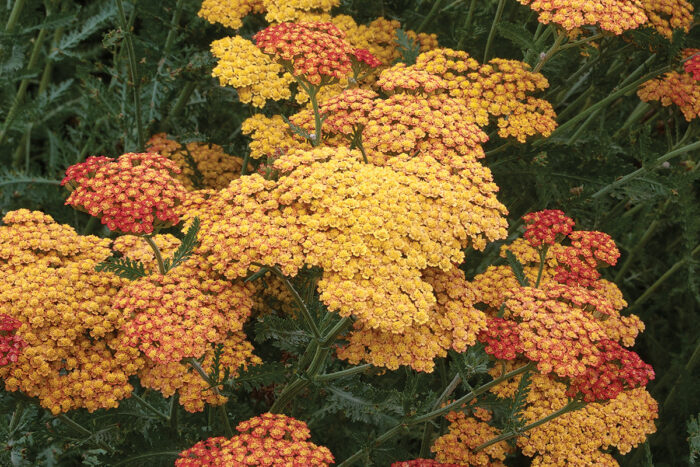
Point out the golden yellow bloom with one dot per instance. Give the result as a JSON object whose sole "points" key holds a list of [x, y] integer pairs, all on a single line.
{"points": [[204, 165], [73, 358], [229, 12], [292, 10], [579, 438], [270, 136], [256, 77], [667, 15], [615, 16], [452, 324], [465, 434]]}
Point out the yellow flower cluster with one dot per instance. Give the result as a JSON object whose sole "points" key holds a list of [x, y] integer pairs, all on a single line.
{"points": [[667, 15], [678, 88], [270, 136], [465, 434], [193, 392], [615, 16], [229, 12], [203, 165], [256, 77], [296, 10], [74, 357], [583, 437], [452, 324], [137, 250]]}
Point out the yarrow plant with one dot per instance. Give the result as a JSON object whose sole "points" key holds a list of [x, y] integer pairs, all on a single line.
{"points": [[356, 271]]}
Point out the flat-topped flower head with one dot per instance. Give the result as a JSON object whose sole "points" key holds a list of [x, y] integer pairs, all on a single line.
{"points": [[403, 78], [423, 463], [547, 227], [296, 10], [667, 15], [269, 439], [229, 12], [615, 16], [579, 263], [316, 52], [502, 339], [135, 193], [680, 88], [464, 434], [692, 64]]}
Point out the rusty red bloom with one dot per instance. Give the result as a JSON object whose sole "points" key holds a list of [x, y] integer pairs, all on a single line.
{"points": [[10, 344], [547, 227]]}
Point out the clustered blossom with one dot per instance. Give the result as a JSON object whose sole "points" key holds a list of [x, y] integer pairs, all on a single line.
{"points": [[667, 15], [452, 324], [269, 439], [615, 16], [544, 227], [73, 357], [464, 434], [133, 194], [203, 165], [314, 51], [294, 10], [579, 263], [423, 463], [229, 12], [402, 77], [10, 343], [256, 77], [502, 339], [270, 136], [678, 88], [179, 315], [584, 437], [692, 63]]}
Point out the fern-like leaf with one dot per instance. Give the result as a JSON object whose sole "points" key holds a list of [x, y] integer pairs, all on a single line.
{"points": [[517, 268], [186, 248], [408, 48], [123, 267]]}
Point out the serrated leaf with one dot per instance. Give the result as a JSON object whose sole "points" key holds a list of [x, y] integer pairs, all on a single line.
{"points": [[694, 439], [297, 130], [187, 246], [408, 48], [517, 268], [123, 267], [362, 402], [258, 376]]}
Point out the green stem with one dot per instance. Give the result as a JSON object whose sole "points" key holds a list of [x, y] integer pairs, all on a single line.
{"points": [[169, 40], [158, 255], [288, 393], [428, 428], [543, 258], [570, 407], [640, 244], [551, 52], [180, 103], [16, 417], [78, 427], [632, 175], [467, 25], [434, 414], [492, 32], [227, 423], [342, 373], [433, 11], [14, 16], [299, 301], [313, 92], [672, 270], [689, 367], [583, 127], [133, 72], [603, 102], [23, 85], [142, 402]]}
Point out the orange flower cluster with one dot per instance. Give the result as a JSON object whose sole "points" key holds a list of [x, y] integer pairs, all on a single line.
{"points": [[10, 343], [229, 12], [317, 52], [452, 324], [579, 263], [667, 15], [256, 77], [179, 315], [193, 391], [678, 88], [269, 439], [584, 437], [545, 227], [466, 433], [423, 463], [133, 194], [403, 78], [73, 356], [203, 165], [347, 113], [615, 16]]}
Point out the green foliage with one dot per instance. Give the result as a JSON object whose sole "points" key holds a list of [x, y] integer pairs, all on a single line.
{"points": [[408, 48], [187, 246], [123, 267], [694, 439], [517, 268]]}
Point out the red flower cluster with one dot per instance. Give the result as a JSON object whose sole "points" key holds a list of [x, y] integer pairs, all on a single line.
{"points": [[314, 50], [502, 339], [619, 369], [270, 439], [692, 65], [543, 227], [10, 343], [132, 194], [578, 263]]}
